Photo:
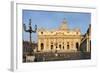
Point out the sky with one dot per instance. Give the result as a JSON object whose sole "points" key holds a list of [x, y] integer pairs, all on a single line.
{"points": [[53, 19]]}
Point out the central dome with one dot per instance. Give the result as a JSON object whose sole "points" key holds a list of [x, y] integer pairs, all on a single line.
{"points": [[63, 25]]}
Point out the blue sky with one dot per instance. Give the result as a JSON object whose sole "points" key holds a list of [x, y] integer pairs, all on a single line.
{"points": [[52, 20]]}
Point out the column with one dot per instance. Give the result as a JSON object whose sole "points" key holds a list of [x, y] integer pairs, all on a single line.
{"points": [[49, 44], [62, 44], [57, 44], [74, 45], [39, 47], [65, 45], [45, 45], [54, 46], [69, 46]]}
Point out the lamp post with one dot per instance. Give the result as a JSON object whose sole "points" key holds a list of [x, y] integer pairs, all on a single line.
{"points": [[30, 31]]}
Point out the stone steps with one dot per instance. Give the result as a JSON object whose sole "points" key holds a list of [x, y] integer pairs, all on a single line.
{"points": [[61, 56]]}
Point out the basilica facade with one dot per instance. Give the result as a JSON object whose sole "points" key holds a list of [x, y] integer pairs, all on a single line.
{"points": [[62, 39]]}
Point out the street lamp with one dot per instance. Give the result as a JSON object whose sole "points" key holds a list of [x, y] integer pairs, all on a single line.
{"points": [[30, 31]]}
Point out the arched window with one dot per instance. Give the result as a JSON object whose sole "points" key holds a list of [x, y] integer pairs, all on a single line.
{"points": [[67, 46], [42, 46], [41, 32], [63, 47], [77, 46], [51, 47], [60, 46]]}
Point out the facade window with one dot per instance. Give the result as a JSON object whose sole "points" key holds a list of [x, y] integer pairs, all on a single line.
{"points": [[41, 32], [42, 46], [67, 46], [77, 45], [56, 44], [63, 47], [60, 46], [51, 46]]}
